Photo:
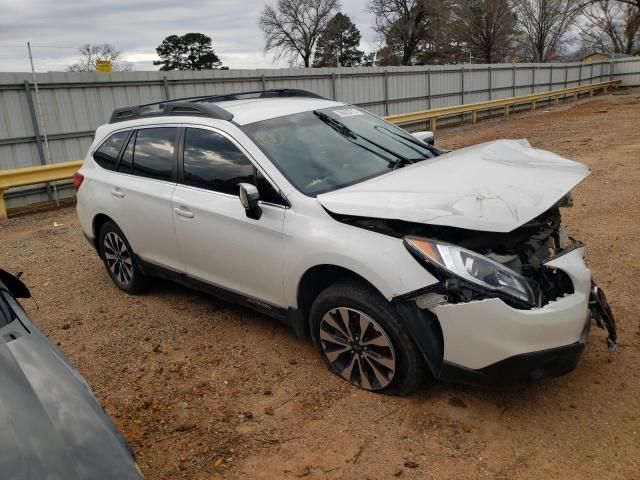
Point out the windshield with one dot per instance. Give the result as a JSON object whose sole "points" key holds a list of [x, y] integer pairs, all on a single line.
{"points": [[334, 147]]}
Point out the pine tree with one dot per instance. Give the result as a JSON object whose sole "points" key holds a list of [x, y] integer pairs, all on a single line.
{"points": [[338, 43]]}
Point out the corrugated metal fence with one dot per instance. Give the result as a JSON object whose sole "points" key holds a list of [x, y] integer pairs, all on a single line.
{"points": [[75, 104]]}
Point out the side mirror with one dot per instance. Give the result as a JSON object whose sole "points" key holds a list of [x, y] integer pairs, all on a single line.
{"points": [[249, 198], [425, 136], [14, 285]]}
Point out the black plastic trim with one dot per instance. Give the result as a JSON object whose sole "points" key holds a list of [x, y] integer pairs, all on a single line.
{"points": [[425, 329], [218, 291]]}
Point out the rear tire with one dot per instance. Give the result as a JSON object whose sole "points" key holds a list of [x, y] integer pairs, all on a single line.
{"points": [[119, 259], [362, 339]]}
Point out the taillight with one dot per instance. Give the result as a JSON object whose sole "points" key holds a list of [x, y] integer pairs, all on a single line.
{"points": [[77, 180]]}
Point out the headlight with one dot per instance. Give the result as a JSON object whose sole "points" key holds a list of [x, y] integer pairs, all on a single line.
{"points": [[481, 271]]}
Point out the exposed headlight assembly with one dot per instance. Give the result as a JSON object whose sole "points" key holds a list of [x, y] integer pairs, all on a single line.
{"points": [[450, 261]]}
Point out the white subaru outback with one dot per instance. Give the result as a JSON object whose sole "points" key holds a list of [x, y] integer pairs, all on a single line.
{"points": [[398, 259]]}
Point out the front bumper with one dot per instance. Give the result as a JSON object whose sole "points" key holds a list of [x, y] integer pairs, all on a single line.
{"points": [[482, 333], [523, 368]]}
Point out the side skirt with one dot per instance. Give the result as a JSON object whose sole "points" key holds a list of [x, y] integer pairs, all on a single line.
{"points": [[217, 291]]}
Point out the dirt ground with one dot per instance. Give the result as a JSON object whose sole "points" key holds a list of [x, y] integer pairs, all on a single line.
{"points": [[204, 389]]}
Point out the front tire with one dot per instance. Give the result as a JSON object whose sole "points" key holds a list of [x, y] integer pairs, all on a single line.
{"points": [[362, 339], [119, 260]]}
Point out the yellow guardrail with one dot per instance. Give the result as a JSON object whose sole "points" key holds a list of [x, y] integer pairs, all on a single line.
{"points": [[19, 177], [60, 171], [432, 116]]}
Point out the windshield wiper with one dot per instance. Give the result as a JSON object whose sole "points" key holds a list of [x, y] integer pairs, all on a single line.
{"points": [[409, 139], [345, 131]]}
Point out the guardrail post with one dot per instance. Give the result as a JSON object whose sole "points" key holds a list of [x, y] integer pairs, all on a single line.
{"points": [[36, 132], [3, 210], [263, 82], [490, 92], [566, 75], [386, 92], [165, 82], [591, 74], [513, 81], [550, 77]]}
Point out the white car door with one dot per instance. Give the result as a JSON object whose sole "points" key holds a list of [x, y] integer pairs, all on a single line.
{"points": [[141, 189], [218, 243]]}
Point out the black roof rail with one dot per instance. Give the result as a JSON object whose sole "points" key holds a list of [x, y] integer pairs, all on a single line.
{"points": [[170, 108], [203, 105]]}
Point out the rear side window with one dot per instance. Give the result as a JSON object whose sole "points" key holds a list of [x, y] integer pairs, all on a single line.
{"points": [[107, 155], [153, 154], [213, 162]]}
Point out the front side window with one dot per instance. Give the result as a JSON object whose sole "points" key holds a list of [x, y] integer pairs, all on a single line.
{"points": [[334, 147], [213, 162], [107, 155], [153, 154]]}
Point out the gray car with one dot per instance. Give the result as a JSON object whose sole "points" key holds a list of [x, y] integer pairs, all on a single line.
{"points": [[51, 425]]}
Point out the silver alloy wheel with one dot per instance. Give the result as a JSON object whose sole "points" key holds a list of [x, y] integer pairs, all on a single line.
{"points": [[358, 348], [118, 258]]}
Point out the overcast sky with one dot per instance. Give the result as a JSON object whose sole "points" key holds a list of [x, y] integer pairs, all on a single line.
{"points": [[56, 28]]}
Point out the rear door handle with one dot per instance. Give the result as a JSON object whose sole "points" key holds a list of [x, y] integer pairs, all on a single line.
{"points": [[116, 192], [184, 212]]}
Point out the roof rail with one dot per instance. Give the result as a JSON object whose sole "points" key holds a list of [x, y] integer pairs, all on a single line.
{"points": [[170, 108], [200, 105]]}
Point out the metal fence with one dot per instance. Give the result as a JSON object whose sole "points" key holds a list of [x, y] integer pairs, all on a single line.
{"points": [[74, 104]]}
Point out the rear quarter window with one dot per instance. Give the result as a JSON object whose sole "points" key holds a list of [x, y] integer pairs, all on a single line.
{"points": [[107, 154]]}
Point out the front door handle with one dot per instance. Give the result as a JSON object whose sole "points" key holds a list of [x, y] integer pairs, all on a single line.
{"points": [[116, 192], [184, 212]]}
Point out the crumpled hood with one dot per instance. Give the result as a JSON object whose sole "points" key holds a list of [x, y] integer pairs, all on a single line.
{"points": [[495, 186]]}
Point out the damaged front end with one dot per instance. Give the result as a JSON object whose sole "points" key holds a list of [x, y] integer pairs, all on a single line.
{"points": [[517, 267]]}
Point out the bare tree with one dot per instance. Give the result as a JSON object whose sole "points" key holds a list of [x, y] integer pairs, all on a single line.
{"points": [[611, 27], [292, 28], [542, 26], [486, 27], [405, 26], [90, 54]]}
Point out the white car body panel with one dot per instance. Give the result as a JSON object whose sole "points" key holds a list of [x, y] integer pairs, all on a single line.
{"points": [[483, 332], [495, 186], [312, 237], [223, 247]]}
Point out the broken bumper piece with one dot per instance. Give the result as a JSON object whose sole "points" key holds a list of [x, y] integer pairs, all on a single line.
{"points": [[603, 316]]}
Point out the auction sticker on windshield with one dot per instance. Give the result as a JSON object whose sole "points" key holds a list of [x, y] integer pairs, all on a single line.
{"points": [[347, 112]]}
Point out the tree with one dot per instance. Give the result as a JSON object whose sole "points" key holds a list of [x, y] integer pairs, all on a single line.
{"points": [[90, 54], [191, 51], [486, 27], [369, 59], [338, 43], [292, 28], [406, 26], [611, 27], [542, 25]]}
